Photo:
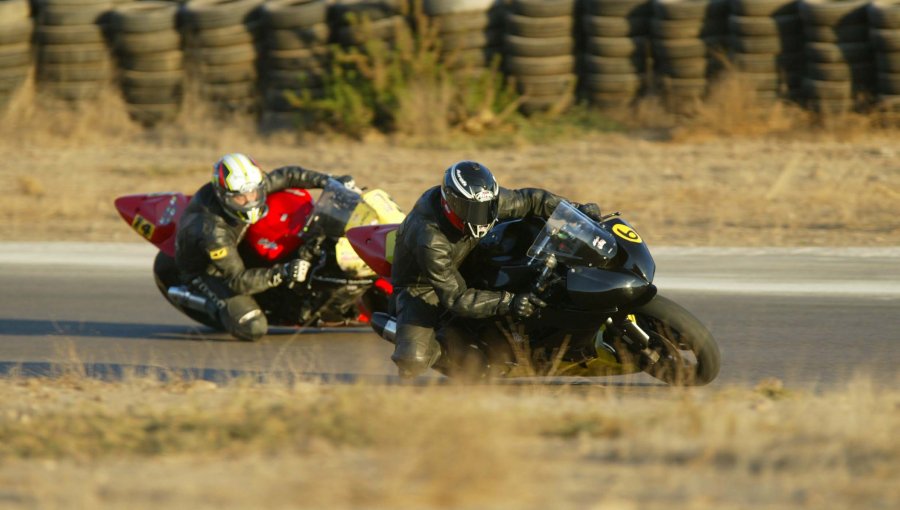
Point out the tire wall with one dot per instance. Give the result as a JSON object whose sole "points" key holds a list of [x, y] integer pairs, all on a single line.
{"points": [[258, 55]]}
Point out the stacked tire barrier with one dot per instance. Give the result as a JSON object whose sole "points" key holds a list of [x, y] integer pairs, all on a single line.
{"points": [[221, 42], [616, 34], [540, 53], [74, 61], [353, 24], [15, 48], [147, 44], [840, 67], [687, 38], [469, 32], [297, 53], [884, 22], [767, 47]]}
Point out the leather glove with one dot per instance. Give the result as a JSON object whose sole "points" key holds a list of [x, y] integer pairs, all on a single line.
{"points": [[591, 210], [347, 181], [525, 304], [295, 270]]}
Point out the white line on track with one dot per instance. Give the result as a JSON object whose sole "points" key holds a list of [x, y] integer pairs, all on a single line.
{"points": [[727, 270]]}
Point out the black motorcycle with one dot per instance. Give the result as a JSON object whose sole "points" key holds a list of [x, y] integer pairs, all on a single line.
{"points": [[603, 315]]}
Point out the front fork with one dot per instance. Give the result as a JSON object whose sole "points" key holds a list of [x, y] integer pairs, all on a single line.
{"points": [[635, 337]]}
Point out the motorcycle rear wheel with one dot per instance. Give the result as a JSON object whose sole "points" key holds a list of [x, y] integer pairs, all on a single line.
{"points": [[689, 355]]}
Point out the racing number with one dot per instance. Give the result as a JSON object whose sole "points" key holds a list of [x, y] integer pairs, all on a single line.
{"points": [[143, 227], [627, 233]]}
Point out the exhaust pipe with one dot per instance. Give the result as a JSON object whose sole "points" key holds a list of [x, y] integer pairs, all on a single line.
{"points": [[385, 326], [181, 296]]}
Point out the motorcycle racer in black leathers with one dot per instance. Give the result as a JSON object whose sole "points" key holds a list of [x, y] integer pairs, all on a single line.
{"points": [[444, 226], [213, 224]]}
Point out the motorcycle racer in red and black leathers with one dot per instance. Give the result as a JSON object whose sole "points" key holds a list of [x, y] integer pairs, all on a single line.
{"points": [[213, 224], [444, 226]]}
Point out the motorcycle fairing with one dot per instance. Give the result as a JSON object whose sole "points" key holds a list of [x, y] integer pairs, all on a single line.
{"points": [[153, 216], [276, 236], [633, 254], [593, 288], [375, 245]]}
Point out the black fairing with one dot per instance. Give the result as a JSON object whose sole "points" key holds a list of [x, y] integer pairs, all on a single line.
{"points": [[633, 256], [592, 288], [500, 262]]}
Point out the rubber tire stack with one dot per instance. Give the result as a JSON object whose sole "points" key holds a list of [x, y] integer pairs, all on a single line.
{"points": [[74, 62], [840, 66], [221, 43], [354, 24], [767, 47], [617, 52], [539, 48], [15, 48], [686, 34], [148, 47], [297, 53], [469, 32], [884, 23]]}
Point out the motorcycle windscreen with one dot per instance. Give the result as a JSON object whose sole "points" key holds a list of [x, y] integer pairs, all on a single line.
{"points": [[573, 238], [333, 210]]}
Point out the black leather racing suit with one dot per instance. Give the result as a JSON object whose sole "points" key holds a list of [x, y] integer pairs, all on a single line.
{"points": [[426, 278], [206, 254]]}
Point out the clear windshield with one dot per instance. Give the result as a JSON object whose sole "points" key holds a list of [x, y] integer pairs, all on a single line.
{"points": [[573, 237], [332, 210]]}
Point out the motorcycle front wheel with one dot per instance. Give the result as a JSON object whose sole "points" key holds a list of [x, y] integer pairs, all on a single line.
{"points": [[689, 355]]}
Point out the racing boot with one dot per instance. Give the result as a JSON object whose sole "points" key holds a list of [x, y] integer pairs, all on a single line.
{"points": [[415, 355]]}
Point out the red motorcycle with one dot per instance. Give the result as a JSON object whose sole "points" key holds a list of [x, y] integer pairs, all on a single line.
{"points": [[341, 289]]}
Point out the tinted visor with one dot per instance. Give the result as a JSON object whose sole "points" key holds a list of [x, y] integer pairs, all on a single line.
{"points": [[474, 212]]}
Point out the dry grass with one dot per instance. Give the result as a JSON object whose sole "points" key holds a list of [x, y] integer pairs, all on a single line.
{"points": [[76, 442]]}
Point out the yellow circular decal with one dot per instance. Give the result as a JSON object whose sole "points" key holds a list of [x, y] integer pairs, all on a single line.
{"points": [[627, 233]]}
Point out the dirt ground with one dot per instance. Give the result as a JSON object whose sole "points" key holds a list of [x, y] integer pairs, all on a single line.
{"points": [[63, 170]]}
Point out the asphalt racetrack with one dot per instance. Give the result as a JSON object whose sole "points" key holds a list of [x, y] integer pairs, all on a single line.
{"points": [[810, 317]]}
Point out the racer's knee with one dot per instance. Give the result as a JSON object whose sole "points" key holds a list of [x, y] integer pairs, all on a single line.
{"points": [[245, 320]]}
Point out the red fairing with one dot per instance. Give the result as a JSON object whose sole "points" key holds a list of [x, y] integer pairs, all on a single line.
{"points": [[154, 216], [276, 235], [375, 245]]}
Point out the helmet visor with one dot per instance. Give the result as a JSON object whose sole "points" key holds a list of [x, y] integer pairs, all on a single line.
{"points": [[245, 200], [474, 212]]}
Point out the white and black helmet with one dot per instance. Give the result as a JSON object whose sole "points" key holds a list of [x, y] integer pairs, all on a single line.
{"points": [[470, 197], [240, 187]]}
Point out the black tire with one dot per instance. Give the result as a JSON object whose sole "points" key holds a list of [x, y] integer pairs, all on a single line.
{"points": [[687, 28], [785, 25], [834, 34], [888, 62], [841, 71], [297, 38], [465, 21], [767, 45], [148, 42], [288, 14], [163, 61], [52, 14], [884, 14], [619, 8], [541, 65], [675, 331], [886, 41], [763, 8], [534, 47], [838, 52], [614, 65], [609, 26], [13, 11], [560, 26], [206, 14], [689, 9], [145, 16], [543, 8], [77, 34], [548, 85], [620, 47], [234, 35], [15, 32], [833, 13]]}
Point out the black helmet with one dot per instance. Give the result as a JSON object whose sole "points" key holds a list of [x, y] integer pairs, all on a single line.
{"points": [[470, 197]]}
